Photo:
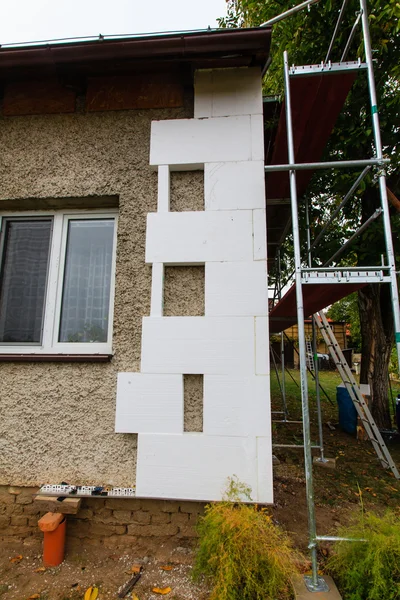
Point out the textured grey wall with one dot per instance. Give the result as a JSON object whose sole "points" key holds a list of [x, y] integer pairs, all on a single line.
{"points": [[57, 420]]}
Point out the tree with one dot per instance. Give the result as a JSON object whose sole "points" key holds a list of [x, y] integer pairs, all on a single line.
{"points": [[347, 310], [306, 36]]}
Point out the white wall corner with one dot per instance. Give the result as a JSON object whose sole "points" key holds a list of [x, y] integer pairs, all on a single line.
{"points": [[157, 290], [259, 234], [262, 346], [163, 188], [257, 137]]}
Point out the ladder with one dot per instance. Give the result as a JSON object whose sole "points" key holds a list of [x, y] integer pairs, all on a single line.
{"points": [[309, 355], [361, 406]]}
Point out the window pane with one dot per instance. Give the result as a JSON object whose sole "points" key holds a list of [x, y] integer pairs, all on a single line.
{"points": [[87, 281], [23, 279]]}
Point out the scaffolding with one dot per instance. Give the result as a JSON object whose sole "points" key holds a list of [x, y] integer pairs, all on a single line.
{"points": [[308, 278]]}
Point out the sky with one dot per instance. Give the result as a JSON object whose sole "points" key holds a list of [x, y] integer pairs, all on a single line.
{"points": [[31, 20]]}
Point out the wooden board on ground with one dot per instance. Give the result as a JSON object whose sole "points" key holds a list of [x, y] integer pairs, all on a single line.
{"points": [[68, 506]]}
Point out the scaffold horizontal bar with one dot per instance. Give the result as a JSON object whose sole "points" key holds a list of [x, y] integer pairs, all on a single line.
{"points": [[341, 269], [345, 277], [334, 164], [333, 538], [288, 13], [329, 67]]}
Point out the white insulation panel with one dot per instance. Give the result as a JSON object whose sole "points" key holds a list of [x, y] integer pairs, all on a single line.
{"points": [[197, 466], [197, 141], [197, 237], [236, 288], [149, 403], [234, 185], [224, 92], [198, 345], [237, 405]]}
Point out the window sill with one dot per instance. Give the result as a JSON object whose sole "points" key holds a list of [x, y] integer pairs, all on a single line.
{"points": [[66, 358]]}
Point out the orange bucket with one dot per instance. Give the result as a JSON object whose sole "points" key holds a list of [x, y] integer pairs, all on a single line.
{"points": [[53, 526]]}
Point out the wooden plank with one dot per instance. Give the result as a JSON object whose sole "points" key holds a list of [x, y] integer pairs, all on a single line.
{"points": [[132, 92], [69, 506], [43, 97]]}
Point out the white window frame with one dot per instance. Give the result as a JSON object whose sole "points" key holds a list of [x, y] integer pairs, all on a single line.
{"points": [[54, 285]]}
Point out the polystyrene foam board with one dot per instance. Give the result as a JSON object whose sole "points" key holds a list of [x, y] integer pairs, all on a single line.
{"points": [[236, 289], [237, 405], [257, 137], [195, 466], [260, 234], [265, 490], [157, 290], [197, 141], [149, 403], [197, 237], [234, 185], [163, 188], [198, 345], [262, 346], [226, 92]]}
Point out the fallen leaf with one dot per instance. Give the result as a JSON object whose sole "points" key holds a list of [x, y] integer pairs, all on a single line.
{"points": [[91, 593], [16, 559], [134, 597], [167, 568], [34, 597], [136, 568], [162, 591], [40, 570]]}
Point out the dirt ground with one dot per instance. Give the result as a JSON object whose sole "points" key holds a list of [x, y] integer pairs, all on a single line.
{"points": [[358, 479], [96, 567]]}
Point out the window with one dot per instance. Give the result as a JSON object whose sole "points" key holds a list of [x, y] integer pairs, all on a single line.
{"points": [[57, 282]]}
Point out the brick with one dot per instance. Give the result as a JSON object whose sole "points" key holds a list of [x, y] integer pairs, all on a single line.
{"points": [[187, 532], [84, 513], [5, 497], [106, 530], [191, 507], [123, 516], [31, 509], [141, 517], [104, 516], [153, 530], [180, 518], [161, 518], [4, 521], [122, 504], [155, 506], [14, 490], [26, 496], [11, 509], [20, 530], [19, 520], [119, 540], [33, 521]]}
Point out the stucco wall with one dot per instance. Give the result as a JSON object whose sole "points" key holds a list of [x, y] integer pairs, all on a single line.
{"points": [[57, 420]]}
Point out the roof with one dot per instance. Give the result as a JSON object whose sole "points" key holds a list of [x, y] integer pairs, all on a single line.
{"points": [[196, 49]]}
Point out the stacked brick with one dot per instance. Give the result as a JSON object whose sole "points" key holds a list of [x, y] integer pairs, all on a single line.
{"points": [[109, 522]]}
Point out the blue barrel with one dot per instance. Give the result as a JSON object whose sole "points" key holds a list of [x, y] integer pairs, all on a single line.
{"points": [[347, 411]]}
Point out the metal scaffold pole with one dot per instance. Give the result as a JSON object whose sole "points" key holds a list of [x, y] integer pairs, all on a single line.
{"points": [[382, 177], [316, 583]]}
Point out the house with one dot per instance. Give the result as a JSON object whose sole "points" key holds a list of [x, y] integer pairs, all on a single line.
{"points": [[133, 286]]}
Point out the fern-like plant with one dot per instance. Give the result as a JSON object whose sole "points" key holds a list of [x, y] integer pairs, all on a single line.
{"points": [[242, 552], [369, 570]]}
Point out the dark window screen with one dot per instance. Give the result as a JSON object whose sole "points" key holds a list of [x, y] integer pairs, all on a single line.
{"points": [[25, 253]]}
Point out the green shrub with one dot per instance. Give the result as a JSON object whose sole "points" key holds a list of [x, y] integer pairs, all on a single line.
{"points": [[369, 571], [241, 551]]}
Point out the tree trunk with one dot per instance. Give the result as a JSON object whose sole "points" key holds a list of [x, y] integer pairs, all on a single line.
{"points": [[377, 330]]}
